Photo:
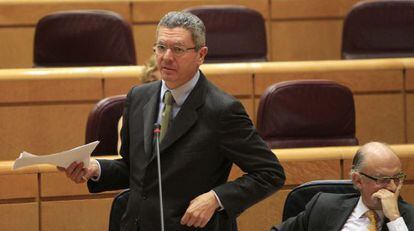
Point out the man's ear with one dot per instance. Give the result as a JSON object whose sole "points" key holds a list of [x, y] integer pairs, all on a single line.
{"points": [[356, 179], [202, 54]]}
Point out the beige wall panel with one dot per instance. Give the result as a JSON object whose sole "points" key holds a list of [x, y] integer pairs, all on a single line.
{"points": [[90, 214], [410, 118], [408, 168], [119, 86], [380, 117], [410, 79], [264, 214], [42, 129], [29, 12], [357, 81], [236, 85], [306, 40], [248, 106], [407, 192], [16, 47], [50, 90], [299, 172], [144, 38], [347, 167], [55, 184], [152, 11], [294, 9], [19, 217], [18, 186]]}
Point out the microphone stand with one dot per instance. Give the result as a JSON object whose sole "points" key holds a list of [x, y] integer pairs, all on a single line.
{"points": [[157, 152]]}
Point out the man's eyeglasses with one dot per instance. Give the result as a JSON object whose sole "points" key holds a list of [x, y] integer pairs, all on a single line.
{"points": [[399, 178], [160, 49]]}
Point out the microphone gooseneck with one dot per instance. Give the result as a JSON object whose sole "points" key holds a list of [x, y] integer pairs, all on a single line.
{"points": [[157, 130]]}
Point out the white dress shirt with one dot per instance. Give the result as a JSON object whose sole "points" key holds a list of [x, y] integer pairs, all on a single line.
{"points": [[359, 222]]}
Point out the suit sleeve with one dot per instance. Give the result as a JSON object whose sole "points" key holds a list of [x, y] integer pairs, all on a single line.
{"points": [[242, 145]]}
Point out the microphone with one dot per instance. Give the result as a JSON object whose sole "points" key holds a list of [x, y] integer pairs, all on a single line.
{"points": [[157, 130]]}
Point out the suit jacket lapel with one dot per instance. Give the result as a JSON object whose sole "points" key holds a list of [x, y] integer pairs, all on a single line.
{"points": [[187, 115], [149, 113], [337, 218]]}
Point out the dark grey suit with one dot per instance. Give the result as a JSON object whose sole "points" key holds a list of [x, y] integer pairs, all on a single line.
{"points": [[329, 212], [210, 133]]}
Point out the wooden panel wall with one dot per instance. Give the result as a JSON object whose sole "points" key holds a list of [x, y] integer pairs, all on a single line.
{"points": [[45, 110], [296, 29]]}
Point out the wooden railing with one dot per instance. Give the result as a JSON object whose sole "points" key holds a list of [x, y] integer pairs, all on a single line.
{"points": [[44, 110]]}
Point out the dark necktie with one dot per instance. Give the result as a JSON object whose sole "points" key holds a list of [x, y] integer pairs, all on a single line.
{"points": [[166, 113]]}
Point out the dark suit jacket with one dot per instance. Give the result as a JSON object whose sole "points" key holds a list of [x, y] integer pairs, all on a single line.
{"points": [[210, 133], [329, 212]]}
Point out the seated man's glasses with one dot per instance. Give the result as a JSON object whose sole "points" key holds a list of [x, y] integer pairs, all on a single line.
{"points": [[399, 178], [178, 51]]}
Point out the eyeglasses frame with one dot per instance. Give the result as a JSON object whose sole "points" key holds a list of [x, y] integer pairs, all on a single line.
{"points": [[400, 176], [172, 50]]}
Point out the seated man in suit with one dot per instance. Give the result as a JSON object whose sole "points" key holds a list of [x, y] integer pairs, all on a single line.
{"points": [[376, 173], [203, 132]]}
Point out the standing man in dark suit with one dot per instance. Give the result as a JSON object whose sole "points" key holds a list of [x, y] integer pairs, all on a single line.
{"points": [[208, 132], [377, 174]]}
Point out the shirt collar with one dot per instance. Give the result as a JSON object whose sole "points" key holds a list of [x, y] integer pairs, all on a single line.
{"points": [[361, 209], [181, 93]]}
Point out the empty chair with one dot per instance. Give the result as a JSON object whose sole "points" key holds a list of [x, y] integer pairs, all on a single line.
{"points": [[234, 33], [379, 29], [307, 113], [118, 208], [102, 125], [83, 38], [302, 194]]}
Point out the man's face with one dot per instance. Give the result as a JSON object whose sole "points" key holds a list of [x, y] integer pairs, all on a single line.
{"points": [[178, 69], [376, 167]]}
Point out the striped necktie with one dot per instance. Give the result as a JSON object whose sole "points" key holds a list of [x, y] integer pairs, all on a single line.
{"points": [[166, 113]]}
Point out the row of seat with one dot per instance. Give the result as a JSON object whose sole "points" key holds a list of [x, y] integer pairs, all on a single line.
{"points": [[299, 113], [372, 29]]}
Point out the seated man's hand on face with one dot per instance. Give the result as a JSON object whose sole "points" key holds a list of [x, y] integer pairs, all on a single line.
{"points": [[80, 174], [389, 202], [200, 210]]}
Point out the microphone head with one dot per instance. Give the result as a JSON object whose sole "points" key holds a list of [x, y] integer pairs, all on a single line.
{"points": [[157, 128]]}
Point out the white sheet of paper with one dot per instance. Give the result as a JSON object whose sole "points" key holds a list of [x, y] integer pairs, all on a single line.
{"points": [[61, 159]]}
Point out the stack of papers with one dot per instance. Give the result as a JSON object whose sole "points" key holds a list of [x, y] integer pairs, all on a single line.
{"points": [[61, 159]]}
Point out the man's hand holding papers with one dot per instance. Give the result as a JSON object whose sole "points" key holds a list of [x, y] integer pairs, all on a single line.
{"points": [[77, 162]]}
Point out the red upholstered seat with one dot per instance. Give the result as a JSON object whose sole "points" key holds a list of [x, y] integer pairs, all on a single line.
{"points": [[102, 125], [233, 33], [83, 38], [379, 29], [307, 113]]}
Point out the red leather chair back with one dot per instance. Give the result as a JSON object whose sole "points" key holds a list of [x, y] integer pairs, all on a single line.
{"points": [[233, 33], [83, 38], [307, 113], [102, 125], [379, 29]]}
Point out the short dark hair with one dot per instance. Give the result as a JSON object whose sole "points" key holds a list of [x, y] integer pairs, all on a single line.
{"points": [[187, 21]]}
